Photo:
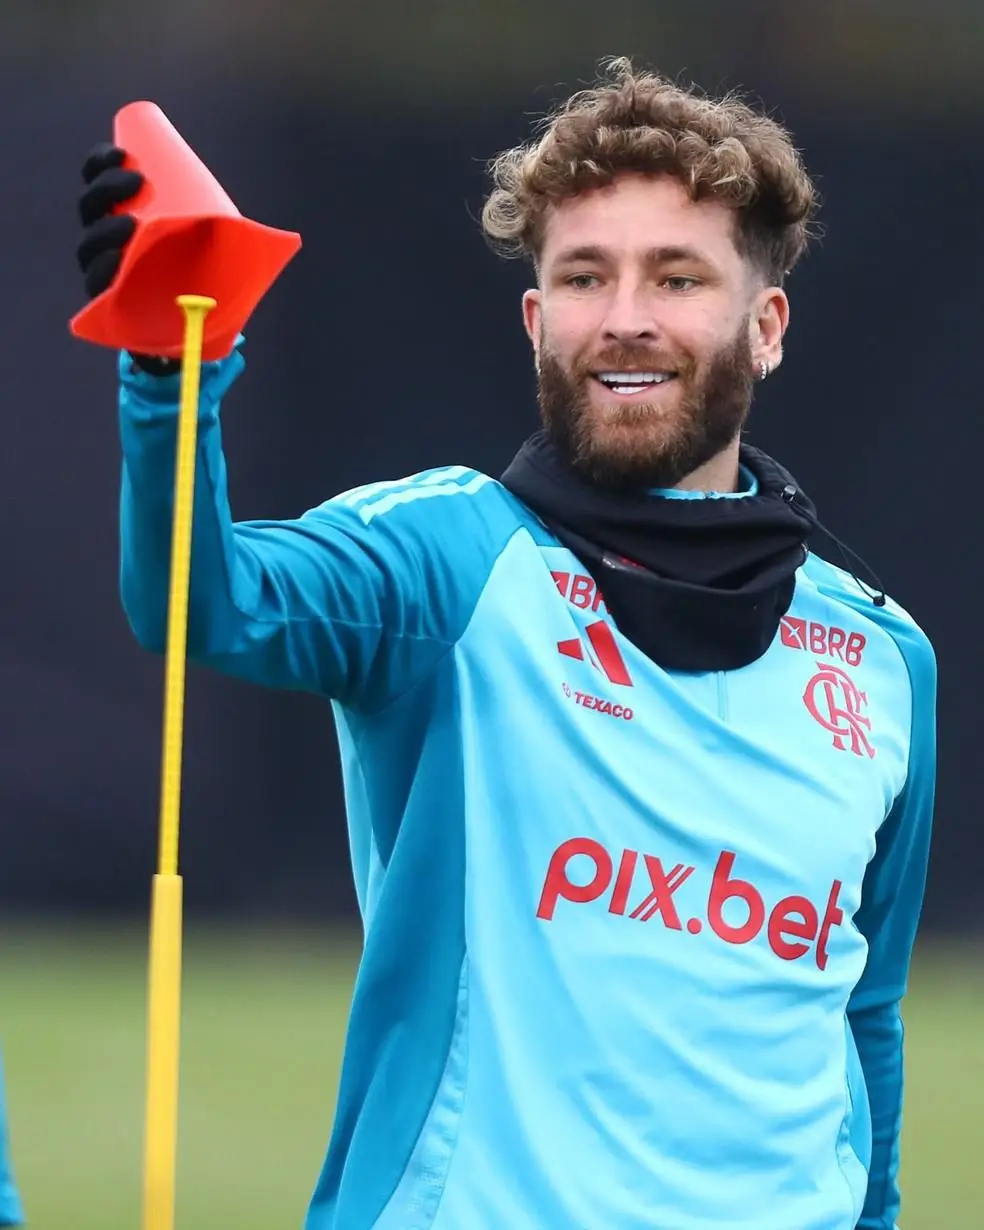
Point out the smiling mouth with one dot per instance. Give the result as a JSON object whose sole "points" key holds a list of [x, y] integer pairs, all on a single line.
{"points": [[631, 384]]}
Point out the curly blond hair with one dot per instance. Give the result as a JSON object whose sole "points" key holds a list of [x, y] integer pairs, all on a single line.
{"points": [[719, 149]]}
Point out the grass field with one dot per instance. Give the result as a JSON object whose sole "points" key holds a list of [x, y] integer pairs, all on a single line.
{"points": [[264, 1019]]}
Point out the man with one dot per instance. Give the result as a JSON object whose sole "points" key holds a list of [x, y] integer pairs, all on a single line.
{"points": [[639, 789]]}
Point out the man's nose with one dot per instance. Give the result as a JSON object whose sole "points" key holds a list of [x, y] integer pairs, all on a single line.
{"points": [[630, 316]]}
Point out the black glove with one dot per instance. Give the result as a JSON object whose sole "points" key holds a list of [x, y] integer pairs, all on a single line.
{"points": [[106, 234]]}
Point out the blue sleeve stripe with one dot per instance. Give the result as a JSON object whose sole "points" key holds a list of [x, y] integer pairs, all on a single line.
{"points": [[370, 492], [888, 917], [384, 505], [391, 1074]]}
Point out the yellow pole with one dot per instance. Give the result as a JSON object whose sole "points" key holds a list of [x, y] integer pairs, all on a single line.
{"points": [[164, 1006]]}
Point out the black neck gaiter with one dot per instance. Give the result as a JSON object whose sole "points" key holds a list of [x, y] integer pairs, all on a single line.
{"points": [[695, 584]]}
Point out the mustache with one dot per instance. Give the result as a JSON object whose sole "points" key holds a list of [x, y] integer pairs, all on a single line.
{"points": [[628, 355]]}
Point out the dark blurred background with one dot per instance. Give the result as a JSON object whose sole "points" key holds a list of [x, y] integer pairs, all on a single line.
{"points": [[393, 342]]}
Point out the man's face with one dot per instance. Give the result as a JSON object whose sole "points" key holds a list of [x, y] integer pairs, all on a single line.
{"points": [[647, 327]]}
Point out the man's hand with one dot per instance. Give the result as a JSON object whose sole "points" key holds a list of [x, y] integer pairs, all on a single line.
{"points": [[105, 234]]}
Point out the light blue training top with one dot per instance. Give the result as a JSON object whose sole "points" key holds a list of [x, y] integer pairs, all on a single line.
{"points": [[635, 941]]}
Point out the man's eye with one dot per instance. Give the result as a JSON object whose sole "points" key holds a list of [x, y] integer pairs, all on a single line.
{"points": [[582, 281], [680, 282]]}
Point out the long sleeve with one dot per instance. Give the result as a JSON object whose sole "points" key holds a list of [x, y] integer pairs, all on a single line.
{"points": [[891, 904], [355, 599]]}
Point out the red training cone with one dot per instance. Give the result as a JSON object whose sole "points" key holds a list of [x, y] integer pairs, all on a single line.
{"points": [[190, 239]]}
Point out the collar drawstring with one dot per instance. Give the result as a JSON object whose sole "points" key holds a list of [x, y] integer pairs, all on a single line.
{"points": [[877, 596]]}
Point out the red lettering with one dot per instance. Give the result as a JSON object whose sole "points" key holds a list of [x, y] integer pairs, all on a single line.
{"points": [[660, 900], [600, 705], [833, 916], [561, 580], [723, 889], [821, 640], [855, 647], [836, 642], [603, 643], [783, 922], [623, 882], [582, 591], [793, 924], [598, 601], [557, 885]]}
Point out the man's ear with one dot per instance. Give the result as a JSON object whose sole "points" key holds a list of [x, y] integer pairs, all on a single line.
{"points": [[532, 317], [768, 321]]}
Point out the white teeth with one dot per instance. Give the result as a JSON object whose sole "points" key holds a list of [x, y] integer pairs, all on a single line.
{"points": [[626, 378]]}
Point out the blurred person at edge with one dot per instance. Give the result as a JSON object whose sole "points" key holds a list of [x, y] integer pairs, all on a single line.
{"points": [[639, 786], [11, 1212]]}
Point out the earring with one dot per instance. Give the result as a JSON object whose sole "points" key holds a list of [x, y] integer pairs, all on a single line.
{"points": [[764, 369]]}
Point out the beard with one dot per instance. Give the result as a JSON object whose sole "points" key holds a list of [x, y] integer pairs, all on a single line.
{"points": [[629, 446]]}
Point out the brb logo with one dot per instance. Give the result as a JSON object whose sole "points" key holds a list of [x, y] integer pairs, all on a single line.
{"points": [[793, 924], [822, 641], [836, 702]]}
